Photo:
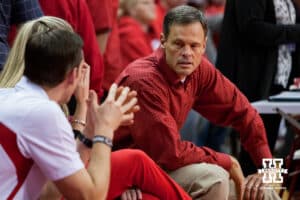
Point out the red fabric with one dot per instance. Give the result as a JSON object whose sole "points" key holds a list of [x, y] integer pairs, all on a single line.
{"points": [[214, 9], [112, 55], [135, 42], [134, 168], [8, 141], [101, 12], [157, 24], [77, 14], [165, 102]]}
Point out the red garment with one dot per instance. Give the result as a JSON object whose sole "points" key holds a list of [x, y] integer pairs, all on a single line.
{"points": [[157, 24], [104, 13], [101, 12], [165, 102], [135, 42], [214, 9], [134, 168], [77, 14]]}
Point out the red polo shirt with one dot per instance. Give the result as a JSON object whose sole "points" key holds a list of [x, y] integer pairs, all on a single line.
{"points": [[165, 102], [77, 14], [135, 42]]}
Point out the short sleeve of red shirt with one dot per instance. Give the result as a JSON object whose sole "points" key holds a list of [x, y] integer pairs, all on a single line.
{"points": [[102, 14]]}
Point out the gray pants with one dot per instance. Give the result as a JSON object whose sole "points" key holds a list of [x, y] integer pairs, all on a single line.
{"points": [[209, 182]]}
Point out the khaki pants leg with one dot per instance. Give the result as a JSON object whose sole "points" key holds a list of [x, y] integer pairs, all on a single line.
{"points": [[207, 181], [203, 181]]}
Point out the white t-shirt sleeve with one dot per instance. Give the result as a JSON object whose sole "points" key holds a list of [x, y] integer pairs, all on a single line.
{"points": [[49, 140]]}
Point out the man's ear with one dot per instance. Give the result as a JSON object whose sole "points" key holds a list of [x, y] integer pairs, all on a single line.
{"points": [[162, 40], [204, 44]]}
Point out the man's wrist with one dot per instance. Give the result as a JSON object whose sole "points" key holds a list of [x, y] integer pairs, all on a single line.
{"points": [[104, 131], [103, 139]]}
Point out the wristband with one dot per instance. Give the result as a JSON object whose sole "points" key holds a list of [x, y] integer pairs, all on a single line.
{"points": [[103, 139], [86, 141]]}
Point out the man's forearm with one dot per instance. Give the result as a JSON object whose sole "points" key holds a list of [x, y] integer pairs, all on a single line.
{"points": [[99, 164]]}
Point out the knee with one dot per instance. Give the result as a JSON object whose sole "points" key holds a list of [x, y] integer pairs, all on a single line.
{"points": [[218, 176], [212, 179], [134, 155]]}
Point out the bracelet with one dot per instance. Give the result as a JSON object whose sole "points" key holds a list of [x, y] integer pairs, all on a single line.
{"points": [[86, 141], [78, 121], [103, 139]]}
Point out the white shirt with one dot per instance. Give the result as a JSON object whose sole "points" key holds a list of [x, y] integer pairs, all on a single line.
{"points": [[36, 142], [285, 14]]}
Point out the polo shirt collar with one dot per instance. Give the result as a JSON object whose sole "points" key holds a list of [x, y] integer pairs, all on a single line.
{"points": [[169, 74], [26, 84]]}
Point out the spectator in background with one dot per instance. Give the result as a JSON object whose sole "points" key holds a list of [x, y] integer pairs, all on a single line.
{"points": [[135, 17], [104, 14], [257, 53], [103, 19], [14, 12]]}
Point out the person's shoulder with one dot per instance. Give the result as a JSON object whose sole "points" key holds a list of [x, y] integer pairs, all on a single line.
{"points": [[143, 71], [127, 23], [32, 107], [206, 63], [45, 109]]}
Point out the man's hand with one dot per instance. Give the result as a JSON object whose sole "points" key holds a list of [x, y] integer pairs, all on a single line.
{"points": [[253, 187], [109, 115], [237, 176], [82, 91], [132, 194], [128, 120]]}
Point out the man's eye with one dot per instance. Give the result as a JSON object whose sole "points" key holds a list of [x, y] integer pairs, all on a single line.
{"points": [[178, 44]]}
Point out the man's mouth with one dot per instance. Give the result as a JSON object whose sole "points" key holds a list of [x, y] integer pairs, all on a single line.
{"points": [[185, 63]]}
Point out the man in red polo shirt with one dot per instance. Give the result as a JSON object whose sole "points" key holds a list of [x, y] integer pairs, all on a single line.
{"points": [[169, 83]]}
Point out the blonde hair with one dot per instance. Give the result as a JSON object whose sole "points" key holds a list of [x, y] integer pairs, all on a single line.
{"points": [[14, 66], [125, 6]]}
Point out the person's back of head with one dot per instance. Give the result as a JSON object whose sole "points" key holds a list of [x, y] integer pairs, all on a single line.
{"points": [[50, 55], [183, 15], [14, 65]]}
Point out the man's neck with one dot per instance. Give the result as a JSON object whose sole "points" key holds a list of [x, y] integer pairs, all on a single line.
{"points": [[55, 93]]}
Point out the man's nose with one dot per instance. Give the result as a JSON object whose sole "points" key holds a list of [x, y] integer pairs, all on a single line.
{"points": [[187, 50]]}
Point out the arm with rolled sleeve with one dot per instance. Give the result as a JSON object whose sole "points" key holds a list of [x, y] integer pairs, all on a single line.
{"points": [[222, 103], [251, 23], [155, 131]]}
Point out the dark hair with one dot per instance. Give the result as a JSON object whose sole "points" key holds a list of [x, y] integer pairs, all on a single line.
{"points": [[183, 15], [50, 55]]}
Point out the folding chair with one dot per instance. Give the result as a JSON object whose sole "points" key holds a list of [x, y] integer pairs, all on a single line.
{"points": [[293, 159]]}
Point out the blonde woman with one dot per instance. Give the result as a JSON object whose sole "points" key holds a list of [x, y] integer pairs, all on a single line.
{"points": [[129, 168]]}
